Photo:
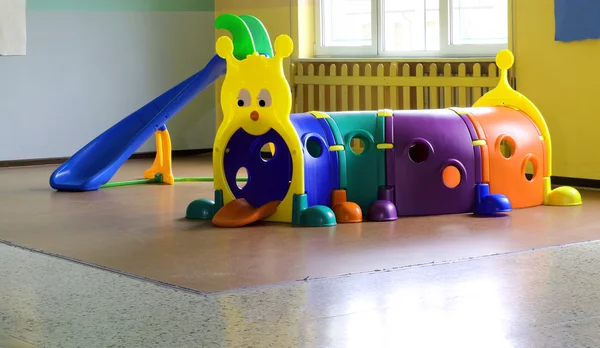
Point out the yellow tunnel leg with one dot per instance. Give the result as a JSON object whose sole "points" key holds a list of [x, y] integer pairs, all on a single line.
{"points": [[162, 162], [561, 196]]}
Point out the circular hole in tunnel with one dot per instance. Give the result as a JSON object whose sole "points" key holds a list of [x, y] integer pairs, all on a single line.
{"points": [[267, 151], [314, 147], [507, 148], [357, 145], [451, 176], [530, 169], [242, 173], [418, 152]]}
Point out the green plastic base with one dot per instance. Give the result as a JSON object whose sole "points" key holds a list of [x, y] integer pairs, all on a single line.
{"points": [[218, 200], [204, 208], [200, 209], [315, 216], [318, 216]]}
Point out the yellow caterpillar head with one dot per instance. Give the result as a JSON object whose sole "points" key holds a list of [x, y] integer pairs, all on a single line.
{"points": [[255, 94]]}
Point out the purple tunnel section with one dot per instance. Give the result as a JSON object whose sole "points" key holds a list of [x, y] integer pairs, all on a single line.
{"points": [[425, 143], [268, 179]]}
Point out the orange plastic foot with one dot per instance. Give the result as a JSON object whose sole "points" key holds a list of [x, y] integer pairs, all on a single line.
{"points": [[240, 213], [345, 211]]}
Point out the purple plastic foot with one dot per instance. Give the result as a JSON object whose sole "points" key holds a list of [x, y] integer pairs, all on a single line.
{"points": [[386, 193], [382, 210]]}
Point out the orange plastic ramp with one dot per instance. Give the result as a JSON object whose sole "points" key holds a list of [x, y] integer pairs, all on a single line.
{"points": [[503, 126], [239, 212]]}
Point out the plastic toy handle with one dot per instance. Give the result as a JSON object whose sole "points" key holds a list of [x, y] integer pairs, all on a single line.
{"points": [[157, 179], [129, 183], [243, 43], [260, 35]]}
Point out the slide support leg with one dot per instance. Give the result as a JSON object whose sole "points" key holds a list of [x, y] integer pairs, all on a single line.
{"points": [[163, 161]]}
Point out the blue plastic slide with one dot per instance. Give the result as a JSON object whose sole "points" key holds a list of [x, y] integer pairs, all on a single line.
{"points": [[97, 162]]}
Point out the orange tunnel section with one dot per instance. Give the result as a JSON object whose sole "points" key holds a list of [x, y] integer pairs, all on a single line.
{"points": [[513, 149]]}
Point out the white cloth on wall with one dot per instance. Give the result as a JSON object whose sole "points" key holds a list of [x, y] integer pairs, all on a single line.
{"points": [[13, 28]]}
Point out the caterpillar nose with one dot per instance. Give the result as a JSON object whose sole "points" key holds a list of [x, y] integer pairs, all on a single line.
{"points": [[254, 115]]}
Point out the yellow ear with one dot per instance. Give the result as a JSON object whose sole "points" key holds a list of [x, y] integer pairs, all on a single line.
{"points": [[284, 46], [225, 48]]}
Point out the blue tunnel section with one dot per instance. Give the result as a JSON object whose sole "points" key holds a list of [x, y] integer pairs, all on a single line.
{"points": [[321, 166]]}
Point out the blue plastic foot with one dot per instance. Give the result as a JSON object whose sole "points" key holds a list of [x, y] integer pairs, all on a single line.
{"points": [[315, 216], [490, 204]]}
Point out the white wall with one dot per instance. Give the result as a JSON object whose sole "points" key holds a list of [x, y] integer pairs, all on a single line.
{"points": [[84, 71]]}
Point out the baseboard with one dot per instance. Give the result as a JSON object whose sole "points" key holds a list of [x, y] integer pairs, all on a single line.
{"points": [[59, 160], [556, 180], [576, 182]]}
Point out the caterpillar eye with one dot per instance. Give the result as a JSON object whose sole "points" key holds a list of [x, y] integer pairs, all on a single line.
{"points": [[244, 98], [264, 98]]}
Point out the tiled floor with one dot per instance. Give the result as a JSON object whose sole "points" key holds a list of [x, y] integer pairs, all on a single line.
{"points": [[545, 298], [141, 230], [527, 280], [11, 342]]}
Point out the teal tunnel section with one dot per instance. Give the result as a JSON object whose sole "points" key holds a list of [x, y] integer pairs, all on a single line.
{"points": [[364, 171]]}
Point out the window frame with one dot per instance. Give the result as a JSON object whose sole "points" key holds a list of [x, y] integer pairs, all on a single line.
{"points": [[375, 50]]}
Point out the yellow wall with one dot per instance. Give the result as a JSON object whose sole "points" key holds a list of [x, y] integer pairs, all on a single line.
{"points": [[558, 77], [563, 80], [279, 17]]}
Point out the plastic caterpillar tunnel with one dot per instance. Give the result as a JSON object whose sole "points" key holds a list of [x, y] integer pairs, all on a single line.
{"points": [[414, 162]]}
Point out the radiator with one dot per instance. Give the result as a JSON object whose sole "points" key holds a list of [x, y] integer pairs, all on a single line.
{"points": [[364, 85]]}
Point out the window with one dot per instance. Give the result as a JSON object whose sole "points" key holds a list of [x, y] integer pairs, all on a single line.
{"points": [[423, 28]]}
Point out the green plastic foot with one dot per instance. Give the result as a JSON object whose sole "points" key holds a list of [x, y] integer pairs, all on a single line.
{"points": [[200, 209], [203, 208], [315, 216], [318, 216]]}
